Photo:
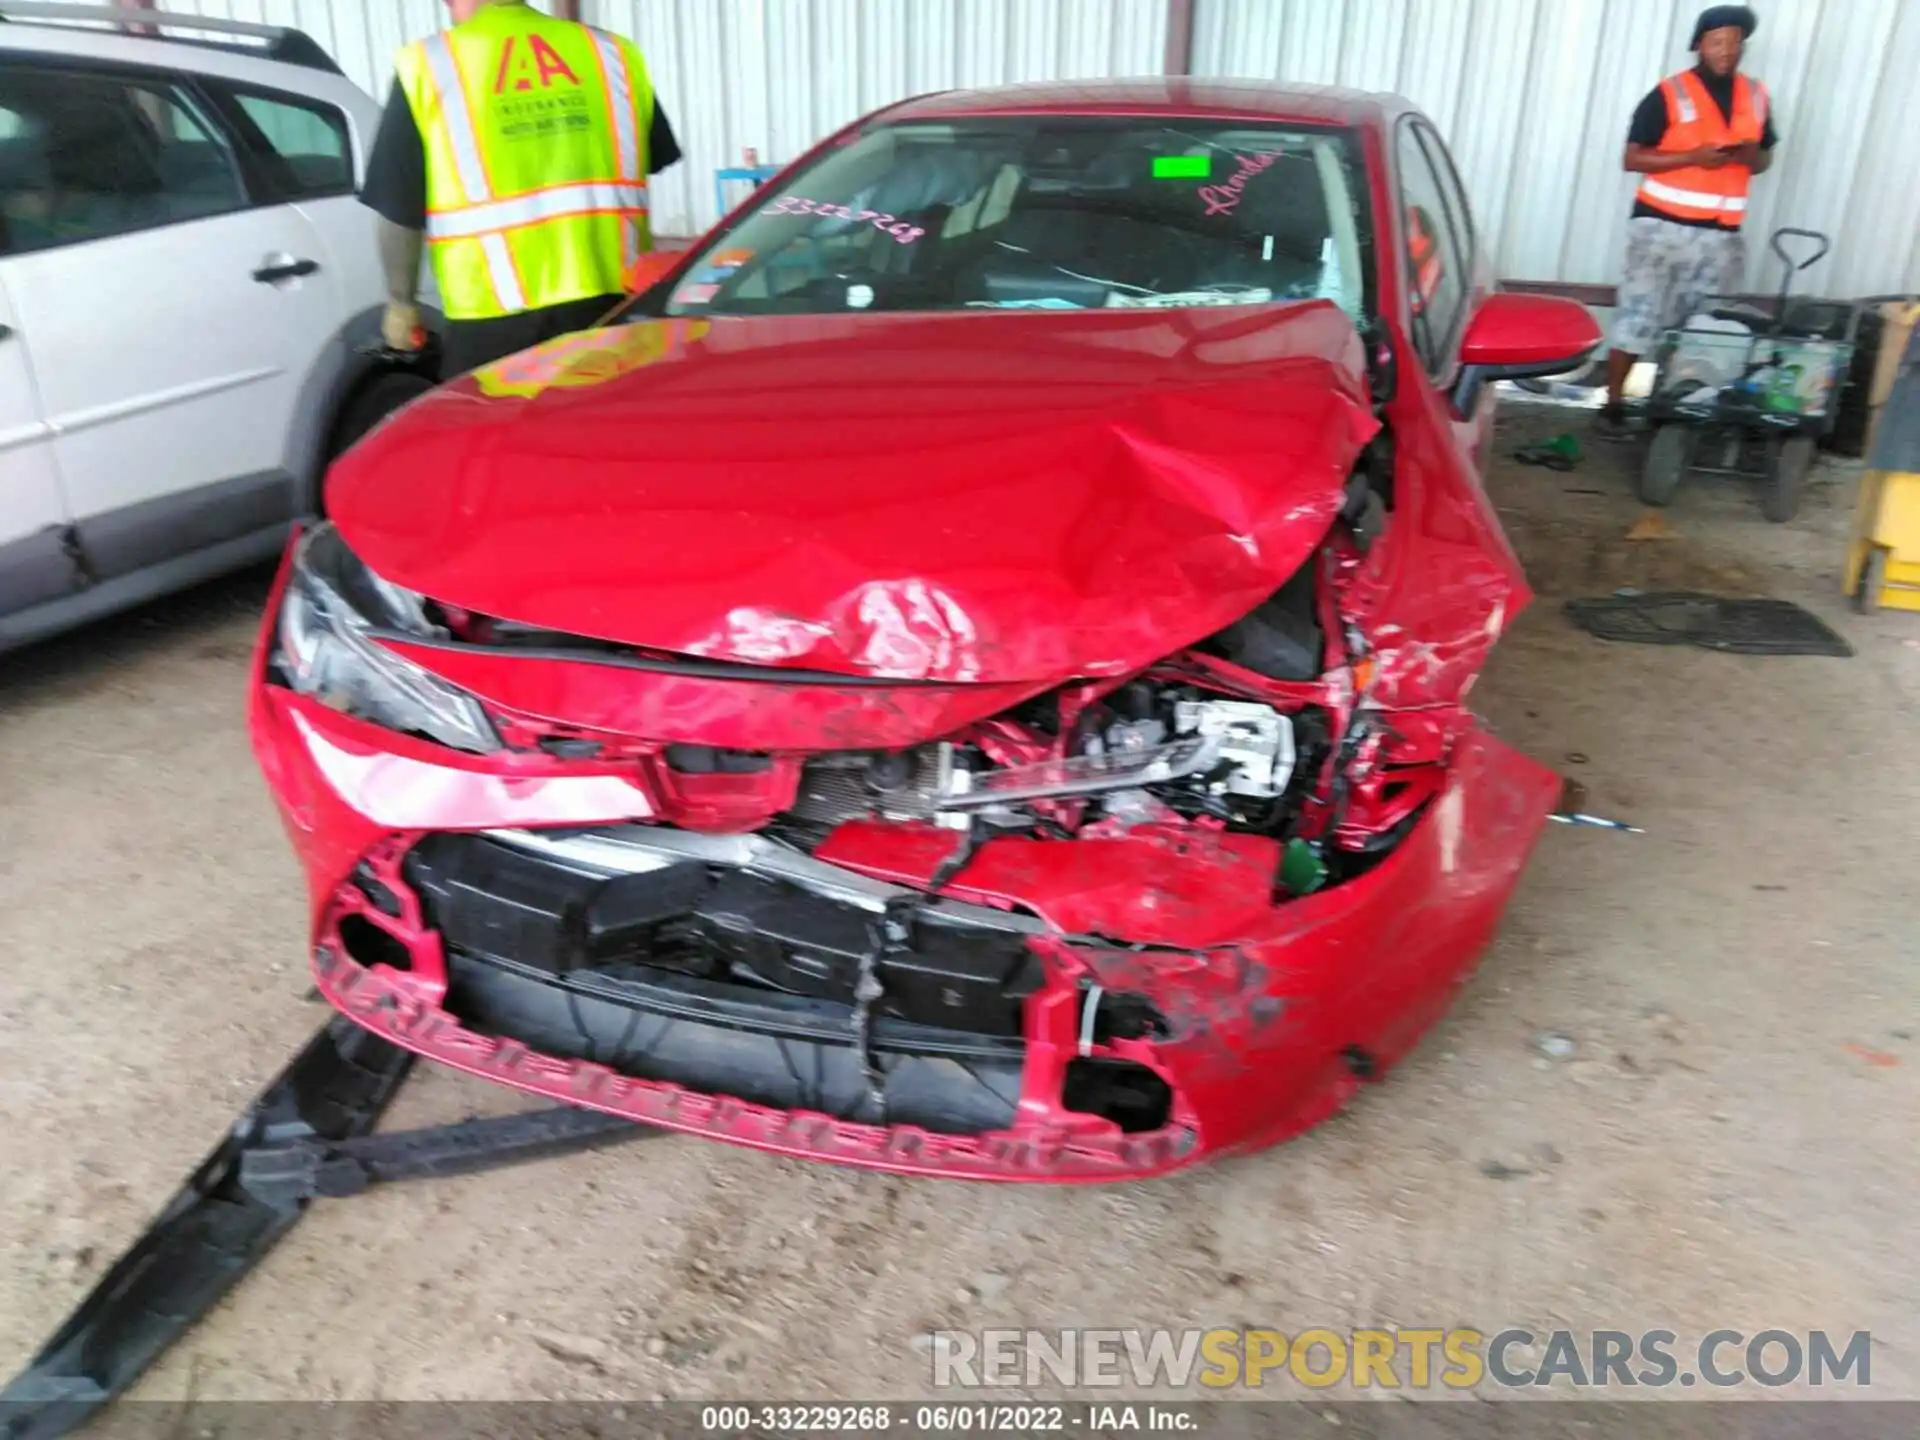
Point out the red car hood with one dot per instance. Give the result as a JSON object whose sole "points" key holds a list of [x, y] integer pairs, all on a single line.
{"points": [[956, 497]]}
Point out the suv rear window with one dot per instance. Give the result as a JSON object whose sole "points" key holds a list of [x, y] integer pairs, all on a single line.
{"points": [[84, 157], [1048, 212], [301, 149]]}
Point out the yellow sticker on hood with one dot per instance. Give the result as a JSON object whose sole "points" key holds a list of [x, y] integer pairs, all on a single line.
{"points": [[590, 358]]}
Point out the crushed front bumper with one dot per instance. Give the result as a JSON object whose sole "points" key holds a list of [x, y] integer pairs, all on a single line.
{"points": [[1254, 1039], [1082, 1009]]}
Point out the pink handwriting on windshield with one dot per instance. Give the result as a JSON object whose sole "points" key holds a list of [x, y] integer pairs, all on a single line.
{"points": [[1222, 199], [900, 230]]}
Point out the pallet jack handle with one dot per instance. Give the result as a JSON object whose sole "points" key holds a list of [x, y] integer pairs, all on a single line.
{"points": [[1825, 243]]}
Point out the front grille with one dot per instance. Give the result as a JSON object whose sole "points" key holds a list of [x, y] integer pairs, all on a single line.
{"points": [[731, 981], [752, 932]]}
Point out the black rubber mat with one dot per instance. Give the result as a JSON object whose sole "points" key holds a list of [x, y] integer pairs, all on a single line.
{"points": [[1713, 622]]}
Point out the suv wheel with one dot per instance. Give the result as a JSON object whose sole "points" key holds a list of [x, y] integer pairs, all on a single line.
{"points": [[371, 404]]}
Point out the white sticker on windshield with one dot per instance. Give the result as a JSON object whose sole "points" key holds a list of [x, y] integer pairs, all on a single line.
{"points": [[1333, 285], [1181, 299], [859, 297]]}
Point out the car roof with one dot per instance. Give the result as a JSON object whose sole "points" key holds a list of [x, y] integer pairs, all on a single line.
{"points": [[1164, 95], [30, 34]]}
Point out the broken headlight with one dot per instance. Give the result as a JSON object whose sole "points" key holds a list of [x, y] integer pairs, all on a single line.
{"points": [[332, 603]]}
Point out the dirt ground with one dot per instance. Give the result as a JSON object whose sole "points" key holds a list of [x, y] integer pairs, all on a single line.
{"points": [[1731, 1142]]}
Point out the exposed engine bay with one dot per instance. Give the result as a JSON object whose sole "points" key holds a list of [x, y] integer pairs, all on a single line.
{"points": [[1146, 753]]}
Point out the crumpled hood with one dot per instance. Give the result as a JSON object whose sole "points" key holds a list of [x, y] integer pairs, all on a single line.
{"points": [[959, 497]]}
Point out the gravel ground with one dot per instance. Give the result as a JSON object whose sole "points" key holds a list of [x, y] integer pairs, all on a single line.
{"points": [[1728, 1141]]}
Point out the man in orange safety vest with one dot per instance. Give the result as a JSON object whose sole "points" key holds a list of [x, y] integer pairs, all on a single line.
{"points": [[1697, 140]]}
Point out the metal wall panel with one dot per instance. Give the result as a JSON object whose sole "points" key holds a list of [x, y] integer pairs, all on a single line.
{"points": [[1535, 96], [774, 76]]}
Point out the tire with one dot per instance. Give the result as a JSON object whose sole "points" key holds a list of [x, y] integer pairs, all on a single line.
{"points": [[1873, 579], [1787, 464], [371, 404], [1669, 458]]}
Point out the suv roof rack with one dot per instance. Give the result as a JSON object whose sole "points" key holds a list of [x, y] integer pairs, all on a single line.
{"points": [[281, 42]]}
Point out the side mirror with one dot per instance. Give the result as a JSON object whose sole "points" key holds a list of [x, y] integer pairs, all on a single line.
{"points": [[642, 273], [1518, 337]]}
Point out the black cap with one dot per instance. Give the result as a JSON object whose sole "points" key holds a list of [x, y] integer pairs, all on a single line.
{"points": [[1716, 17]]}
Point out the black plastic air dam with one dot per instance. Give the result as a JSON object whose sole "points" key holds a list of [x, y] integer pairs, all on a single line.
{"points": [[304, 1136], [730, 982], [776, 1050], [759, 935], [212, 1231]]}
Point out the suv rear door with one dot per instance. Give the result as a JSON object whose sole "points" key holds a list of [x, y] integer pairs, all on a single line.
{"points": [[174, 306], [35, 563]]}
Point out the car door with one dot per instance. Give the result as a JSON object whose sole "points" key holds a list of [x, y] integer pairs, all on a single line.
{"points": [[1474, 427], [172, 310], [303, 150], [36, 563], [1444, 584]]}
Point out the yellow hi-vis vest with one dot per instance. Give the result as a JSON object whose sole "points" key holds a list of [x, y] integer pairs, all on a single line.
{"points": [[536, 148]]}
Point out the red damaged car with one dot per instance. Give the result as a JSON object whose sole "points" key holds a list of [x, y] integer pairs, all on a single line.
{"points": [[968, 673]]}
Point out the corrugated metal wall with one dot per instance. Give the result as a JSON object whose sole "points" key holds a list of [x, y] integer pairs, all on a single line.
{"points": [[776, 75], [1535, 96]]}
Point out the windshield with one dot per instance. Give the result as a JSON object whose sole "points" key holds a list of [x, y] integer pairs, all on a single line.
{"points": [[1047, 212]]}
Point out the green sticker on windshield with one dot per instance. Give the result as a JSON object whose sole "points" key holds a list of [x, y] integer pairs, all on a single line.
{"points": [[1182, 167]]}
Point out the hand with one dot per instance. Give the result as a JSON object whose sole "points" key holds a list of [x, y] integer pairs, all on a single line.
{"points": [[1708, 157], [1746, 153], [400, 327]]}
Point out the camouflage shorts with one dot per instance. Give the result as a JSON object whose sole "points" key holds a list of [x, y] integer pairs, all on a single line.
{"points": [[1670, 269]]}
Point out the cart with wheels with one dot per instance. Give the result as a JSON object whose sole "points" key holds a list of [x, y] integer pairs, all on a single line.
{"points": [[1740, 392]]}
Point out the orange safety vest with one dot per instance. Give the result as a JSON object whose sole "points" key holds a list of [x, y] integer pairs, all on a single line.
{"points": [[1425, 254], [1693, 120]]}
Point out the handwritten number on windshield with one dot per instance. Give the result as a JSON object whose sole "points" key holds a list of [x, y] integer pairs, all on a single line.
{"points": [[902, 232]]}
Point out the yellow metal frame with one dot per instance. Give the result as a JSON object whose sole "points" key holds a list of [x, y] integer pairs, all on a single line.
{"points": [[1883, 559], [1886, 531]]}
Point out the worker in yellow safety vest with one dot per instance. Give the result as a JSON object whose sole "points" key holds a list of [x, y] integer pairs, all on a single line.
{"points": [[516, 147]]}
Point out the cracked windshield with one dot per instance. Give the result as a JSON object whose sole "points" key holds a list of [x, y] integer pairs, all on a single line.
{"points": [[1046, 213]]}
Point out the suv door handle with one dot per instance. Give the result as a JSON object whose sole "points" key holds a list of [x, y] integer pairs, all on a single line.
{"points": [[280, 268]]}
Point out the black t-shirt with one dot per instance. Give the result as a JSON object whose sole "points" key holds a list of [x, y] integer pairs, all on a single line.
{"points": [[396, 183], [1649, 128]]}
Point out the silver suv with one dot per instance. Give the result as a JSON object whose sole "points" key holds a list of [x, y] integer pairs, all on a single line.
{"points": [[189, 301]]}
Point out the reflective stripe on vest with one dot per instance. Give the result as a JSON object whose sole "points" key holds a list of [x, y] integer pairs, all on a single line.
{"points": [[506, 280], [535, 131], [1679, 102], [472, 168], [626, 132], [1694, 192], [592, 198], [1679, 195], [619, 88]]}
